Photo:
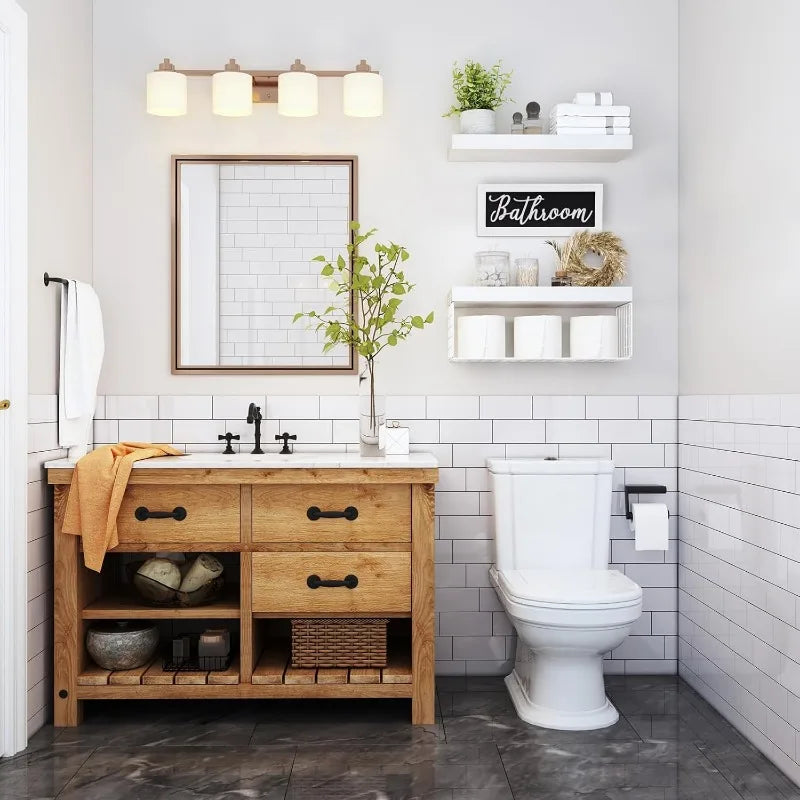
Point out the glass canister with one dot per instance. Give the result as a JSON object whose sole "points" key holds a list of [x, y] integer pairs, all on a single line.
{"points": [[493, 268], [527, 271]]}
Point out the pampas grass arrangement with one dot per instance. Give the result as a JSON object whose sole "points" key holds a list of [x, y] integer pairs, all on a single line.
{"points": [[608, 246]]}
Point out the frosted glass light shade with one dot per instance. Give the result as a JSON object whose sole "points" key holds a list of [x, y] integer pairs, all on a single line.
{"points": [[362, 94], [166, 93], [232, 93], [298, 94]]}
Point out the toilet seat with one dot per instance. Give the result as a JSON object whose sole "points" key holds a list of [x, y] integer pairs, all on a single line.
{"points": [[576, 597]]}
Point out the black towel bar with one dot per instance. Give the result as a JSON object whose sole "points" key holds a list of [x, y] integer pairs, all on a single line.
{"points": [[48, 279]]}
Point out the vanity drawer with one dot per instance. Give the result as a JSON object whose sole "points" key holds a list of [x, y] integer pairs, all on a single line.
{"points": [[281, 583], [364, 513], [212, 514]]}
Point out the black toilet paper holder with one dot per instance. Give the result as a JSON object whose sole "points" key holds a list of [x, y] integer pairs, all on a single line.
{"points": [[640, 489]]}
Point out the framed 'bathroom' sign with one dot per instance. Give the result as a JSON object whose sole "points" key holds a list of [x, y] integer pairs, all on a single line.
{"points": [[539, 209]]}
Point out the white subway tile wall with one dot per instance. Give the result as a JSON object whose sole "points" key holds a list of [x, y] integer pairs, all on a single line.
{"points": [[272, 221], [473, 634], [739, 577], [42, 446]]}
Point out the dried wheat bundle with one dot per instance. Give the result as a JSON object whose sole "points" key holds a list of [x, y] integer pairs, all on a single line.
{"points": [[605, 244]]}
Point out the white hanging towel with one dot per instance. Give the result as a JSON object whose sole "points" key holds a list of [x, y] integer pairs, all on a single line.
{"points": [[82, 348]]}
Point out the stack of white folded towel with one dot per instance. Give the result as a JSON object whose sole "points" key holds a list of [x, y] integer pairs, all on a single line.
{"points": [[592, 113]]}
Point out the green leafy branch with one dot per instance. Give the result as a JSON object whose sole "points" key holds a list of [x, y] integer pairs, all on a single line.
{"points": [[379, 286], [478, 87]]}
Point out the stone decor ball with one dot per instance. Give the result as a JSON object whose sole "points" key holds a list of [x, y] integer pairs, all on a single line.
{"points": [[122, 645]]}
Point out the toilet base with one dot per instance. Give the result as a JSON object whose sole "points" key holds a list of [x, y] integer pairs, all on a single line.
{"points": [[534, 714]]}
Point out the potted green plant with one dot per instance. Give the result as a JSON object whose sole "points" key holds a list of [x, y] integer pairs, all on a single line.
{"points": [[479, 92], [373, 323]]}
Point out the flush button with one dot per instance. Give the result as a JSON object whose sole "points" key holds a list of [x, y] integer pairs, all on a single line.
{"points": [[4, 404]]}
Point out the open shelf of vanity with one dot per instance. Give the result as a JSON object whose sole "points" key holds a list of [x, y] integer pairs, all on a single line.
{"points": [[274, 545]]}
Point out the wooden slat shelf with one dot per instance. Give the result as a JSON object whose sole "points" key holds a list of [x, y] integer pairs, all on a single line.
{"points": [[154, 675], [225, 607], [274, 669]]}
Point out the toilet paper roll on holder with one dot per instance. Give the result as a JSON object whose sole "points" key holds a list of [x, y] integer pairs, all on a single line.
{"points": [[640, 489]]}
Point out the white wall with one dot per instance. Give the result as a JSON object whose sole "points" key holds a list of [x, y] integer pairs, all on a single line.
{"points": [[407, 188], [740, 196], [59, 168], [60, 221], [739, 556]]}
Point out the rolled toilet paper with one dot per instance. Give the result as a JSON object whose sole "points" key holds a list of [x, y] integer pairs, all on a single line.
{"points": [[482, 336], [537, 336], [650, 526], [593, 337]]}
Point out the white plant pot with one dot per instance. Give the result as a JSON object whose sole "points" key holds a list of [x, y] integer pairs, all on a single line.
{"points": [[478, 120]]}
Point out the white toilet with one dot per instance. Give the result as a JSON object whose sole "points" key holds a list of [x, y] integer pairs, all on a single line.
{"points": [[551, 541]]}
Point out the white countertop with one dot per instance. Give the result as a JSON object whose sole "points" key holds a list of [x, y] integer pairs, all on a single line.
{"points": [[275, 461]]}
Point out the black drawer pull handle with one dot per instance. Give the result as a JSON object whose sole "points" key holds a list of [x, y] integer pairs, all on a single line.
{"points": [[314, 582], [142, 513], [314, 513]]}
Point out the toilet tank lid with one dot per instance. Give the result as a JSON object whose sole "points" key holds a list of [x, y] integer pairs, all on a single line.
{"points": [[542, 466]]}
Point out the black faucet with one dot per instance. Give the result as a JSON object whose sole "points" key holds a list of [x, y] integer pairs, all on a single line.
{"points": [[285, 436], [254, 417]]}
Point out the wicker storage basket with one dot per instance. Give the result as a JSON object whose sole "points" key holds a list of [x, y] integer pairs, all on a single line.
{"points": [[339, 642]]}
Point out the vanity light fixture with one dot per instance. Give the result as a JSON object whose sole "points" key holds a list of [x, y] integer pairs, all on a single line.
{"points": [[295, 91], [166, 91], [362, 92], [232, 91], [298, 92]]}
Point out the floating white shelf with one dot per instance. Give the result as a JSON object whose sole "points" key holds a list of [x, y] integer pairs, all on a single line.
{"points": [[519, 298], [545, 147]]}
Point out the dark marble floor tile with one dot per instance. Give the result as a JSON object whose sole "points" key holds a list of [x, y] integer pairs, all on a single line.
{"points": [[751, 774], [400, 773], [609, 752], [40, 773], [658, 700], [509, 729], [460, 704], [183, 774], [611, 770], [472, 683], [634, 683], [344, 731], [663, 727], [159, 733]]}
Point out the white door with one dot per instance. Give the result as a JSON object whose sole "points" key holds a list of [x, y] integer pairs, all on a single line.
{"points": [[13, 375]]}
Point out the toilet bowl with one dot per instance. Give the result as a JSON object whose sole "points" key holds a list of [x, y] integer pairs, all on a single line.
{"points": [[552, 525]]}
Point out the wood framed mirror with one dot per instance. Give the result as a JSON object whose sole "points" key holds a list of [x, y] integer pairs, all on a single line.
{"points": [[244, 232]]}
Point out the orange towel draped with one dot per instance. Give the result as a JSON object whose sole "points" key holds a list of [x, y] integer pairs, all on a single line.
{"points": [[99, 481]]}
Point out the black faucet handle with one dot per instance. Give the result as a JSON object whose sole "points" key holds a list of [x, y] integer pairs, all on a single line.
{"points": [[285, 436], [227, 437]]}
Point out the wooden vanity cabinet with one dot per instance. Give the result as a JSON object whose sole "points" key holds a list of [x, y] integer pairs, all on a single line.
{"points": [[285, 524]]}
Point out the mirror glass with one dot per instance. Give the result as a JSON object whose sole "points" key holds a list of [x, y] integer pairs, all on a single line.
{"points": [[245, 233]]}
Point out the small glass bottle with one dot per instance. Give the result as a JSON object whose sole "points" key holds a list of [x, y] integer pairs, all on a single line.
{"points": [[532, 123], [561, 278], [516, 123]]}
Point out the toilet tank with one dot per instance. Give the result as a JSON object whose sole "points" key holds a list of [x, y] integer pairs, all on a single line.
{"points": [[551, 513]]}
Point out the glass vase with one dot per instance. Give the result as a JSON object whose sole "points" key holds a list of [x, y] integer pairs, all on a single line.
{"points": [[371, 408]]}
